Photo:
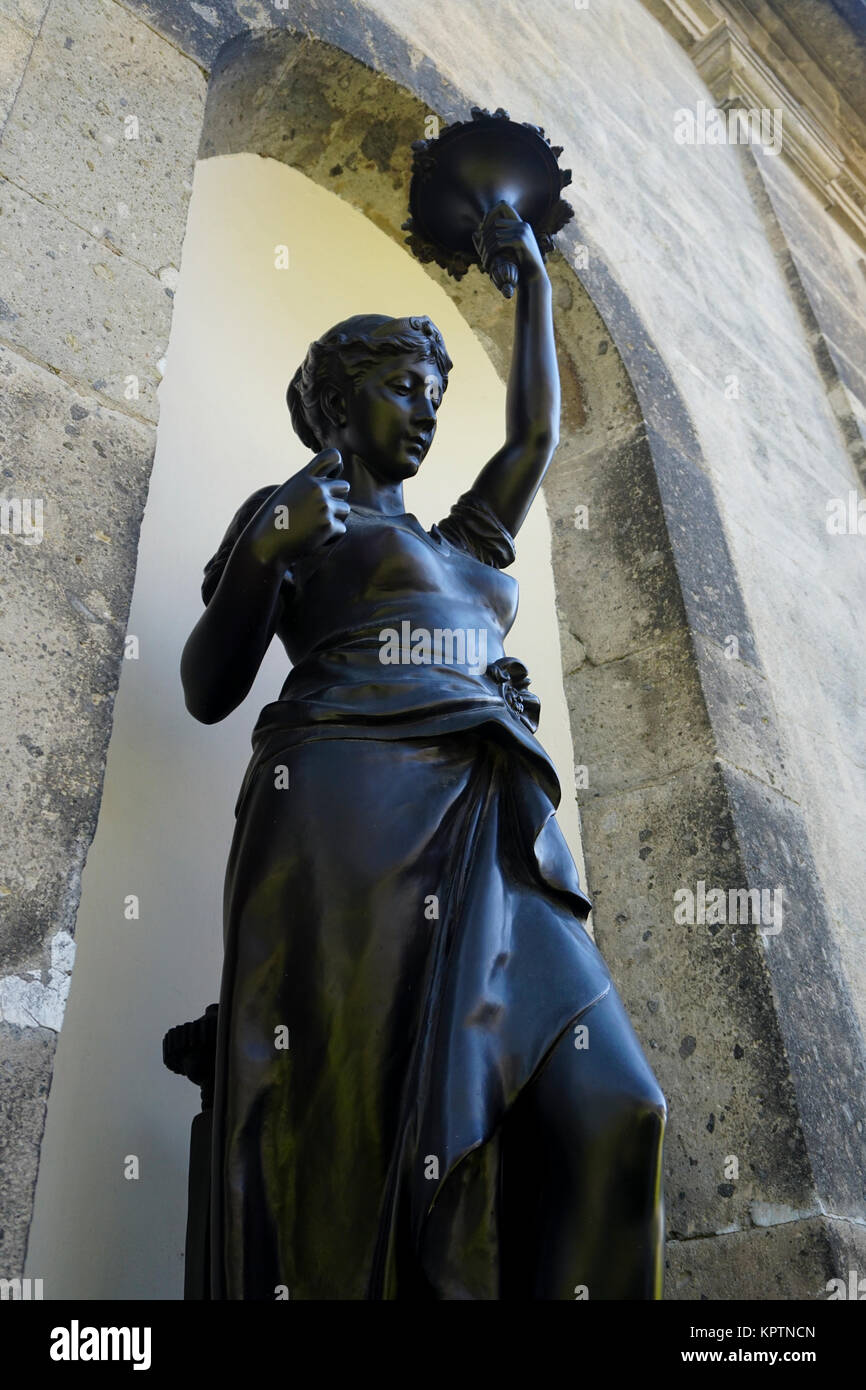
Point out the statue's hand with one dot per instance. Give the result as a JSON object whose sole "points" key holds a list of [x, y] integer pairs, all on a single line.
{"points": [[507, 249], [307, 512]]}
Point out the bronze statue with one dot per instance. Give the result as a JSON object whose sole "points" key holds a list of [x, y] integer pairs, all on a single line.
{"points": [[426, 1084]]}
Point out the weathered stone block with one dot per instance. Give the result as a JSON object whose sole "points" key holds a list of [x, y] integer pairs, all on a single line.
{"points": [[71, 302], [744, 721], [700, 997], [835, 317], [612, 563], [848, 1246], [639, 718], [64, 601], [814, 654], [26, 13], [793, 1260], [105, 129], [15, 46], [854, 379], [804, 226], [824, 1046], [712, 596], [26, 1062]]}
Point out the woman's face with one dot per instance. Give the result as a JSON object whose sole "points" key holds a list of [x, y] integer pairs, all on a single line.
{"points": [[391, 416]]}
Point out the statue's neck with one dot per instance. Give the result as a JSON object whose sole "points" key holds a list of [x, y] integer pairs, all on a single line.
{"points": [[375, 495]]}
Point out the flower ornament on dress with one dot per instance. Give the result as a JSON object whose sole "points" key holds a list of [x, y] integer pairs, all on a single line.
{"points": [[513, 678]]}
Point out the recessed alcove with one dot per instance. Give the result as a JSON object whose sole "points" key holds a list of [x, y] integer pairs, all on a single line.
{"points": [[245, 312]]}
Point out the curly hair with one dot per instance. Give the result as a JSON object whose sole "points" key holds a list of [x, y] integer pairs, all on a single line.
{"points": [[351, 348]]}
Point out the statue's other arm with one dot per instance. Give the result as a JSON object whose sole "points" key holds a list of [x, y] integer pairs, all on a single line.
{"points": [[509, 481], [226, 647]]}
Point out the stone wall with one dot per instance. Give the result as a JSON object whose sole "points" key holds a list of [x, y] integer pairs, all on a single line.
{"points": [[91, 227], [712, 635]]}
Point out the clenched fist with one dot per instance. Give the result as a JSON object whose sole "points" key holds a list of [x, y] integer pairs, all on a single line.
{"points": [[507, 249], [307, 512]]}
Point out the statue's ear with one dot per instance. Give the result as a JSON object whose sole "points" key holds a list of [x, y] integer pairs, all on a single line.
{"points": [[333, 405]]}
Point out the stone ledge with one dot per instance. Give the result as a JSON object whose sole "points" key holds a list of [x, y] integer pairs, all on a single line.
{"points": [[748, 56]]}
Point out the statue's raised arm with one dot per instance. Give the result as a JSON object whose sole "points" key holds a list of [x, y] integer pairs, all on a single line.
{"points": [[510, 479]]}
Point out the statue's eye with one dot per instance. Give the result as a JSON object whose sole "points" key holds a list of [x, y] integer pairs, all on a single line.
{"points": [[401, 387]]}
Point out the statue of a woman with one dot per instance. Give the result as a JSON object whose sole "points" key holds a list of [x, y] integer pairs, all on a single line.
{"points": [[426, 1086]]}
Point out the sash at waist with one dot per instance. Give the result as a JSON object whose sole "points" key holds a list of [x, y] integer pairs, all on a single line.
{"points": [[496, 705]]}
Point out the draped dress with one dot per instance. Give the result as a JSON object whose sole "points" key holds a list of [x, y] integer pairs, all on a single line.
{"points": [[403, 928]]}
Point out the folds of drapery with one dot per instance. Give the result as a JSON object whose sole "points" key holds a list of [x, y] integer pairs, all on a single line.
{"points": [[408, 911]]}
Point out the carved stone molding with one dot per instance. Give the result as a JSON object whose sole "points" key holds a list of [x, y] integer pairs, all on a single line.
{"points": [[749, 56]]}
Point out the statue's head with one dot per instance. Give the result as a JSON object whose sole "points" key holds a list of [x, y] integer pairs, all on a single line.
{"points": [[371, 386]]}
